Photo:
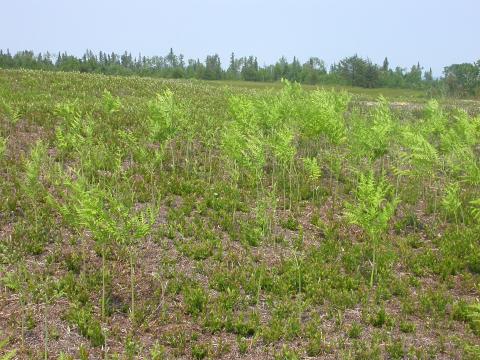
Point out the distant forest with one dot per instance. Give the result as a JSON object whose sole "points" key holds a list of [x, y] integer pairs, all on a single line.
{"points": [[457, 80]]}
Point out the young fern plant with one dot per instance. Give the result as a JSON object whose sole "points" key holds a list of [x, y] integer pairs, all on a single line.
{"points": [[33, 167], [463, 132], [242, 142], [434, 120], [31, 185], [314, 173], [84, 210], [90, 208], [111, 104], [325, 118], [265, 211], [242, 146], [475, 210], [452, 203], [3, 147], [284, 152], [244, 155], [468, 168], [7, 354], [372, 211], [210, 142], [324, 115], [458, 144], [164, 120], [135, 228], [13, 114], [75, 133], [373, 134], [420, 154], [421, 161]]}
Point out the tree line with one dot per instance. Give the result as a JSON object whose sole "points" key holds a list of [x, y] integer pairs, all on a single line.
{"points": [[458, 79]]}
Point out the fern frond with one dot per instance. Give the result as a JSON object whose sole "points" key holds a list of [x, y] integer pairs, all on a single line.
{"points": [[312, 168], [111, 104], [451, 201], [475, 210], [372, 209], [3, 146]]}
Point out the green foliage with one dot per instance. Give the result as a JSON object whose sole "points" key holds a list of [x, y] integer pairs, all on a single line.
{"points": [[380, 318], [283, 147], [357, 71], [374, 206], [468, 313], [242, 140], [286, 354], [462, 79], [138, 225], [111, 104], [9, 354], [458, 143], [157, 352], [355, 331], [33, 168], [200, 351], [374, 135], [265, 212], [372, 211], [3, 147], [75, 133], [459, 79], [475, 210], [407, 327], [11, 111], [196, 299], [420, 154], [463, 133], [451, 201], [312, 169], [290, 223], [85, 210], [325, 115], [92, 221], [396, 350], [164, 117], [434, 121], [87, 325]]}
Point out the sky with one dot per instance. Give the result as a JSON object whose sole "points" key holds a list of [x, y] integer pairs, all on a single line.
{"points": [[435, 33]]}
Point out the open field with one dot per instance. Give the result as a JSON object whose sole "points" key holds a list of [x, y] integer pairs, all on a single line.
{"points": [[408, 99], [163, 219], [358, 92]]}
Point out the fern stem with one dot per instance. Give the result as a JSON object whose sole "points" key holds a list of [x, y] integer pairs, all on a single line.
{"points": [[103, 281], [132, 285], [373, 261]]}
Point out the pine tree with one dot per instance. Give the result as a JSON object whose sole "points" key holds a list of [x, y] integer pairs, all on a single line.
{"points": [[385, 66], [233, 67]]}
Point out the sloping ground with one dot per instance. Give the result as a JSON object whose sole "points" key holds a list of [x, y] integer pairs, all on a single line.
{"points": [[471, 106], [178, 226]]}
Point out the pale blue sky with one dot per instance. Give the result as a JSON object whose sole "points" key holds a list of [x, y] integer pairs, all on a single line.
{"points": [[436, 33]]}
